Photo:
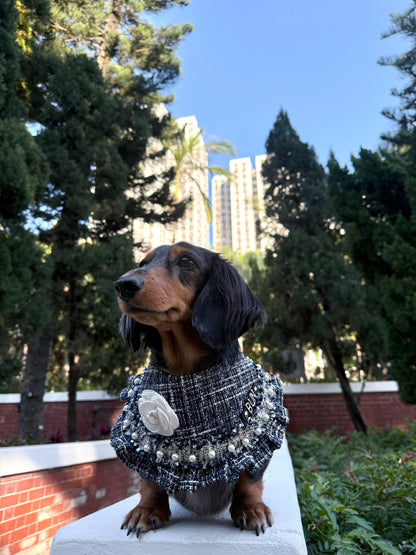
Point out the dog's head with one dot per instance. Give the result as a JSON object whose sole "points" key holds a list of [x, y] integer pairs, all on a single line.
{"points": [[186, 284]]}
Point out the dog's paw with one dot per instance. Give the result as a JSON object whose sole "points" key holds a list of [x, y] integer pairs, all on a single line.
{"points": [[144, 518], [256, 516]]}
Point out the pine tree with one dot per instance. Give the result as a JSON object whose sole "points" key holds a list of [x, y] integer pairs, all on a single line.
{"points": [[376, 204], [314, 295], [93, 102], [23, 174], [405, 115]]}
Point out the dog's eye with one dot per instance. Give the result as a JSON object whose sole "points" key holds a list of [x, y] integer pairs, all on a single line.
{"points": [[143, 263], [186, 262]]}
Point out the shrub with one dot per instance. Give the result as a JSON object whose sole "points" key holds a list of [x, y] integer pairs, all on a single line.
{"points": [[357, 494]]}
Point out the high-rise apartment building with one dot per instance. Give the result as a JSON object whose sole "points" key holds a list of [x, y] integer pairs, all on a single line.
{"points": [[238, 206], [194, 226]]}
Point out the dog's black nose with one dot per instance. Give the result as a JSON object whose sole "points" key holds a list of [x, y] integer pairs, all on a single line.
{"points": [[127, 287]]}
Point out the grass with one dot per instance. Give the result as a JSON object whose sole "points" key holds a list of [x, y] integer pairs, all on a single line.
{"points": [[357, 494]]}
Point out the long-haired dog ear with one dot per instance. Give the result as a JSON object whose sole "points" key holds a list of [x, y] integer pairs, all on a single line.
{"points": [[131, 332], [226, 308], [138, 336]]}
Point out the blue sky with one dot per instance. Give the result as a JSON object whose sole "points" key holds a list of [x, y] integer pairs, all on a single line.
{"points": [[316, 59]]}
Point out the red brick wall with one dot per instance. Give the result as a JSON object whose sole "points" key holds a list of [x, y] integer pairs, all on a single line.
{"points": [[90, 416], [34, 506], [307, 411], [324, 411]]}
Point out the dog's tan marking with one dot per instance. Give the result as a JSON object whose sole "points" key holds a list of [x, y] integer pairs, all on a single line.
{"points": [[248, 510], [151, 512]]}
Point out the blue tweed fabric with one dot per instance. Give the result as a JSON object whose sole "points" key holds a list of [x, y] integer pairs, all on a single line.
{"points": [[231, 418]]}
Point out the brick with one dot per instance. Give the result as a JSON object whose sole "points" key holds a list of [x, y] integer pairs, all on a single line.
{"points": [[22, 509], [8, 514], [10, 500], [17, 535], [36, 493], [28, 542], [44, 524], [8, 486], [25, 483], [42, 503]]}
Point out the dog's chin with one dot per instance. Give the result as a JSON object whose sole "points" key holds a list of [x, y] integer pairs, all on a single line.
{"points": [[146, 317], [157, 319]]}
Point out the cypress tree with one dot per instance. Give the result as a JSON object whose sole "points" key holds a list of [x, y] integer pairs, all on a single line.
{"points": [[313, 295]]}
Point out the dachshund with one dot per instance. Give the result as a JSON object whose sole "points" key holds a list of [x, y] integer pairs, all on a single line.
{"points": [[190, 306]]}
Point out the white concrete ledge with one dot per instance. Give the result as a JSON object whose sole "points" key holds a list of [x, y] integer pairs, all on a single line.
{"points": [[334, 387], [32, 458], [61, 397], [188, 535]]}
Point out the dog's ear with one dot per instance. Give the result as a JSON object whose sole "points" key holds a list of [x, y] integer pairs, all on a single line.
{"points": [[138, 336], [226, 308], [131, 332]]}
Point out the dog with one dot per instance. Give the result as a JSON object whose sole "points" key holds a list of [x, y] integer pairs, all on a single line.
{"points": [[202, 421]]}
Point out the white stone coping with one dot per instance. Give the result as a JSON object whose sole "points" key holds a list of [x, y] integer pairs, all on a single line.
{"points": [[289, 389], [334, 387], [187, 535], [61, 397], [33, 458]]}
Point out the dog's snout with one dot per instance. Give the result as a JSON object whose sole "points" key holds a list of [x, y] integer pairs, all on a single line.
{"points": [[127, 287]]}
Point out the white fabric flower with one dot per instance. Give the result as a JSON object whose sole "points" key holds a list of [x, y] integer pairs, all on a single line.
{"points": [[157, 415]]}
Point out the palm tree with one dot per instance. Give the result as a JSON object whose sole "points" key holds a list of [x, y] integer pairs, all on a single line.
{"points": [[184, 148]]}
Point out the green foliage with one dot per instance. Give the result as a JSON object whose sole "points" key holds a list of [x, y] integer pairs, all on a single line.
{"points": [[23, 176], [314, 295], [404, 24], [357, 495], [86, 79], [375, 205]]}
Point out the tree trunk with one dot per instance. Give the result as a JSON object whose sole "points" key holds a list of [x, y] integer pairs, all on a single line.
{"points": [[73, 378], [73, 375], [33, 388], [334, 356], [112, 26]]}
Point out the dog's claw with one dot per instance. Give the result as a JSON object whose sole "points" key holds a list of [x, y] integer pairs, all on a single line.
{"points": [[242, 524], [138, 530], [153, 524], [263, 528], [269, 522], [129, 531], [257, 529]]}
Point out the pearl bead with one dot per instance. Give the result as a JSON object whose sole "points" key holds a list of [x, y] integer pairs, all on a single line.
{"points": [[159, 454], [175, 457], [245, 441], [258, 431], [231, 448], [211, 454], [135, 436], [146, 448], [265, 417], [192, 458]]}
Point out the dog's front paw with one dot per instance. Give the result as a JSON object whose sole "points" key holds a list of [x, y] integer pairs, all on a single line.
{"points": [[144, 518], [256, 516]]}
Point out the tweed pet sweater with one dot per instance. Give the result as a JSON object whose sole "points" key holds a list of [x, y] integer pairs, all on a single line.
{"points": [[208, 426]]}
